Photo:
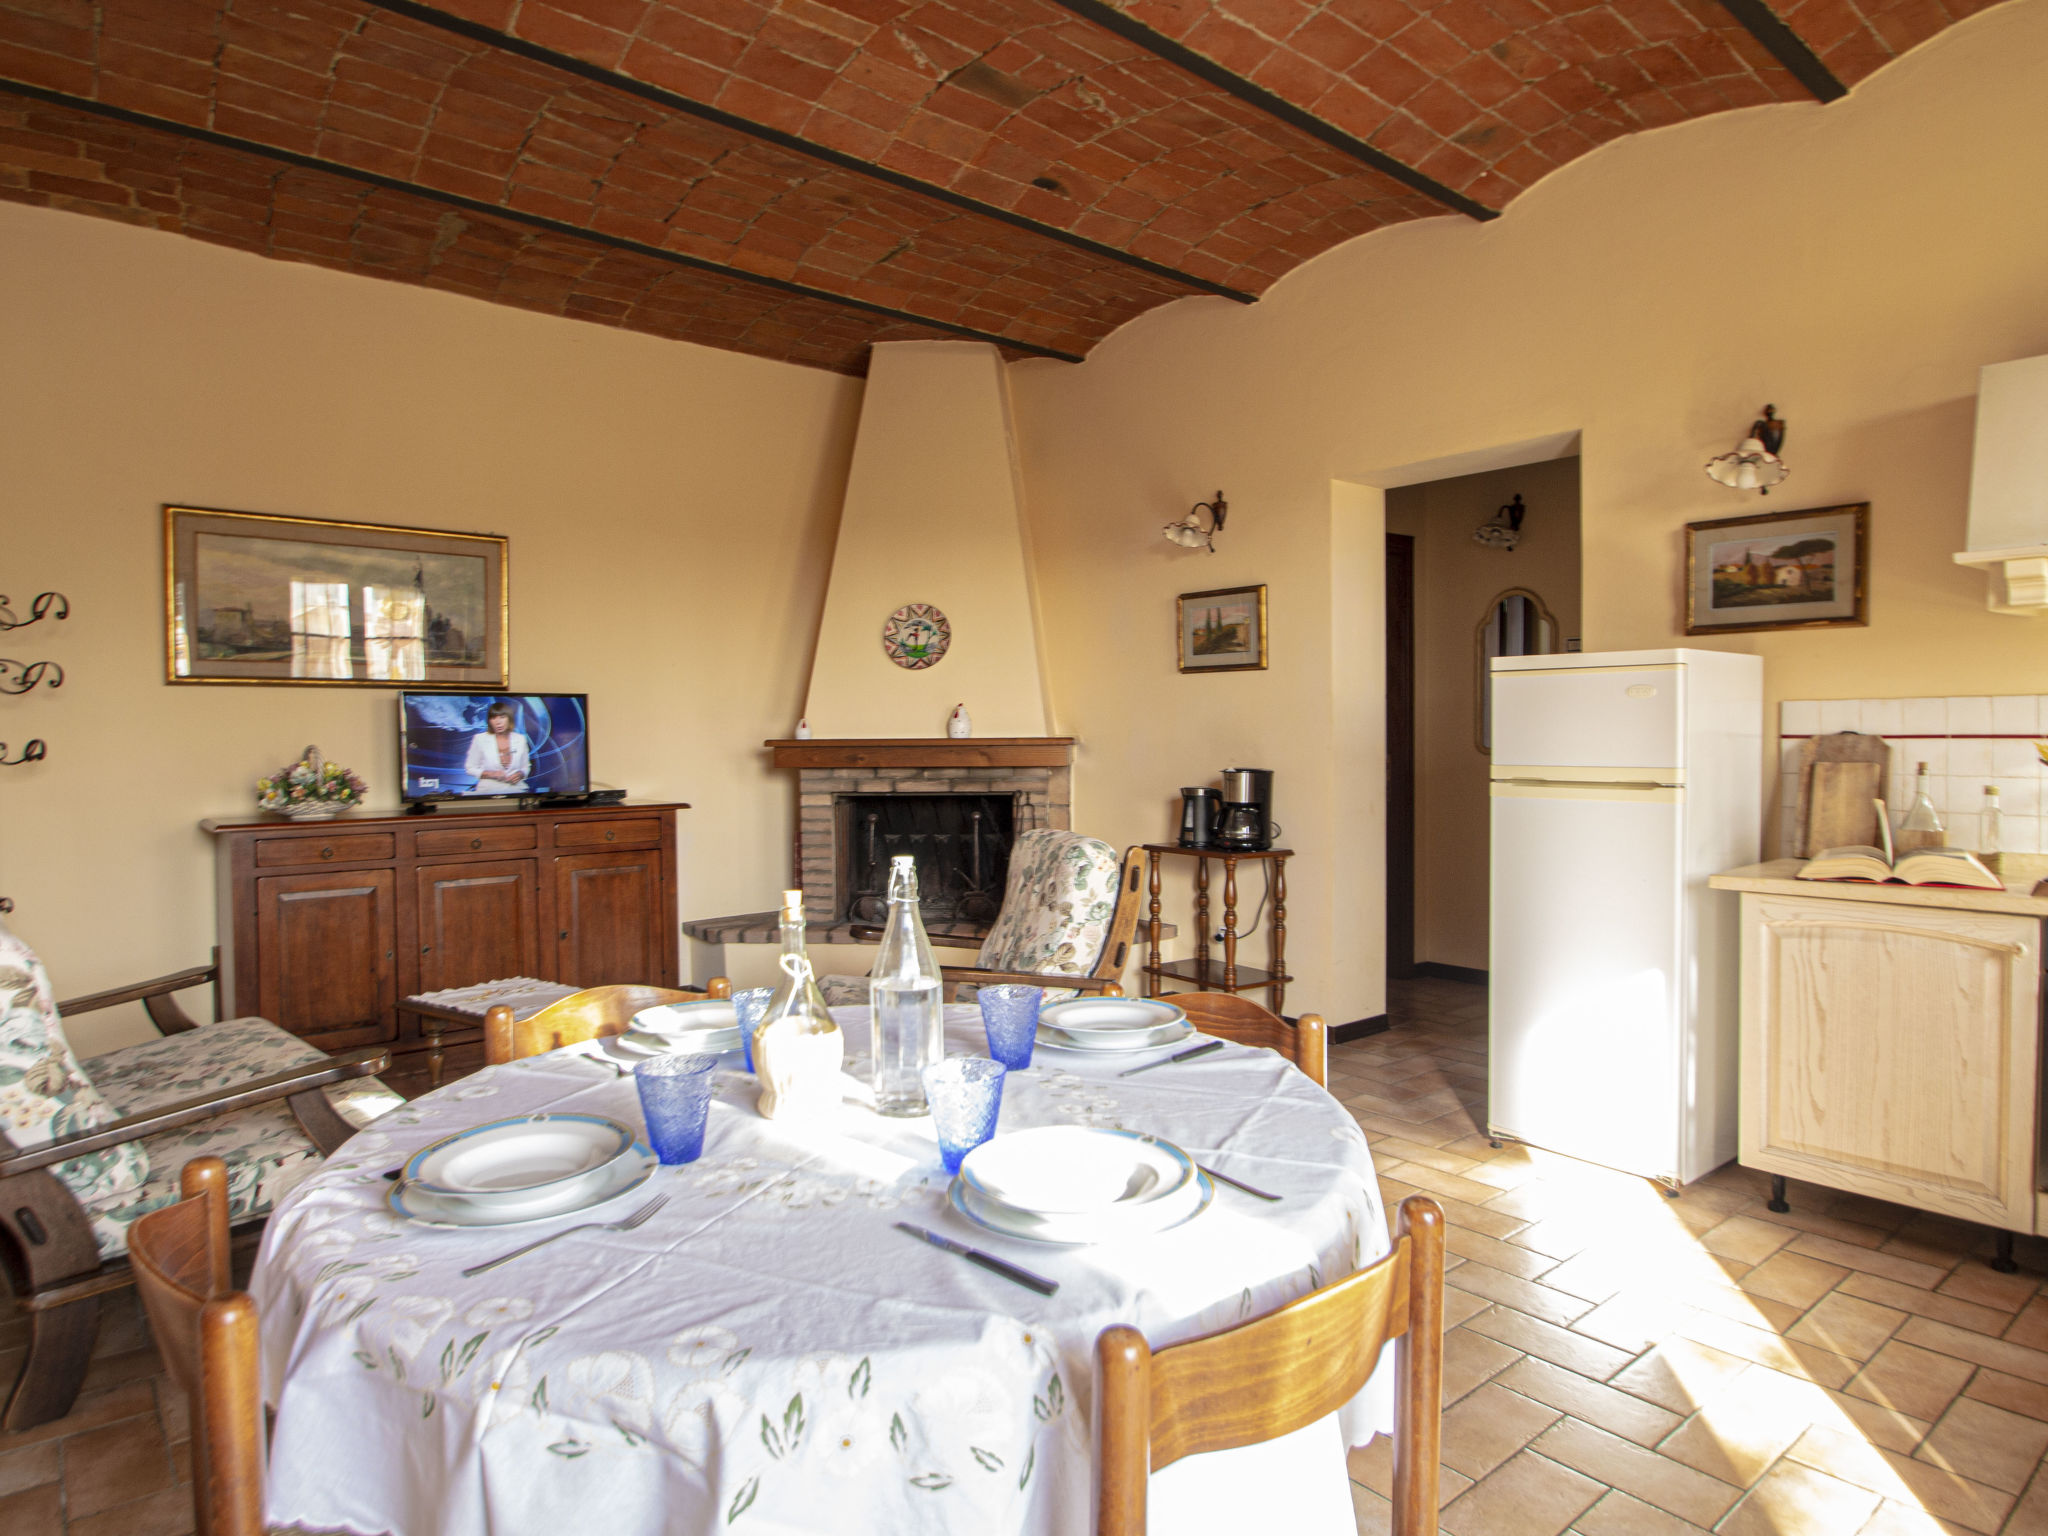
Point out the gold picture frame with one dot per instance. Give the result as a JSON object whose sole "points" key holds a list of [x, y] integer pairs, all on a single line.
{"points": [[257, 597], [1778, 570], [1225, 632]]}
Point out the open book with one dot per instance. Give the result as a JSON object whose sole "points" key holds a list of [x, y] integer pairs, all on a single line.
{"points": [[1920, 866]]}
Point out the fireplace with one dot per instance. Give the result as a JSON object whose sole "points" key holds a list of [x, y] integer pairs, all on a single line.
{"points": [[961, 844]]}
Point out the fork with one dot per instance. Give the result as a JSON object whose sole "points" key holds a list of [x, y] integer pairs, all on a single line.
{"points": [[625, 1225]]}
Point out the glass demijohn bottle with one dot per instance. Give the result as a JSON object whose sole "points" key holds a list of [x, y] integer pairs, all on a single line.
{"points": [[907, 991], [1922, 827], [797, 1046], [796, 994]]}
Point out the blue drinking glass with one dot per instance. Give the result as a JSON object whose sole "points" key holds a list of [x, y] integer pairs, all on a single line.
{"points": [[751, 1006], [1010, 1015], [675, 1096], [966, 1095]]}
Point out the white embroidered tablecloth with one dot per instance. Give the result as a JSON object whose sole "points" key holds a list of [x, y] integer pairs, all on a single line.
{"points": [[767, 1353]]}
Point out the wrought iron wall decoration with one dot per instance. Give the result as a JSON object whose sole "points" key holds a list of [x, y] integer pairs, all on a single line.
{"points": [[21, 676], [38, 609]]}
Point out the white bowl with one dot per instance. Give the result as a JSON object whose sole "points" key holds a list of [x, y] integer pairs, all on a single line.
{"points": [[508, 1162]]}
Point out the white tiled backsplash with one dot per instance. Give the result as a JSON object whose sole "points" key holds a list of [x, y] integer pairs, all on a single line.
{"points": [[1966, 744]]}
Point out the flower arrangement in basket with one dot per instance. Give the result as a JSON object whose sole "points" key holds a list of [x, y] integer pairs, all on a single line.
{"points": [[310, 789]]}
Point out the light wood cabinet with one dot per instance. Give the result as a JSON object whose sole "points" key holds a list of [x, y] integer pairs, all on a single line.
{"points": [[1891, 1041]]}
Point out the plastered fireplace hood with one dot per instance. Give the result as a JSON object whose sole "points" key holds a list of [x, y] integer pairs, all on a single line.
{"points": [[2008, 528], [933, 514]]}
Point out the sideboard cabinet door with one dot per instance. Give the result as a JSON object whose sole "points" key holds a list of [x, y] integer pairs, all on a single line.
{"points": [[1892, 1051], [325, 946], [477, 922], [608, 918]]}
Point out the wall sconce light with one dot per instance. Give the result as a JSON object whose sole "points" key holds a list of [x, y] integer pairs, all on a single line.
{"points": [[1503, 530], [1199, 528], [1754, 465]]}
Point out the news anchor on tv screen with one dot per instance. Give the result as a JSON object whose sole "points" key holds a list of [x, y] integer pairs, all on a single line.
{"points": [[499, 756]]}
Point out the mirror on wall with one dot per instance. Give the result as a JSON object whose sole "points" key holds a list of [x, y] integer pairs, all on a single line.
{"points": [[1516, 624]]}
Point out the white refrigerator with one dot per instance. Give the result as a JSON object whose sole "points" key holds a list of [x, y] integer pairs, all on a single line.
{"points": [[1620, 782]]}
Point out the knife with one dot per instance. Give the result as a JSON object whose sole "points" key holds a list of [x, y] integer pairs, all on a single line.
{"points": [[1188, 1055], [987, 1261]]}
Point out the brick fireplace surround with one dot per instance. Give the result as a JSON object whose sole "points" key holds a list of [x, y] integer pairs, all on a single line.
{"points": [[1036, 770]]}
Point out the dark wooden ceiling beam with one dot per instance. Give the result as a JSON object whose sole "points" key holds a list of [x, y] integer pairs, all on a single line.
{"points": [[1110, 19], [1787, 47], [507, 42], [515, 215]]}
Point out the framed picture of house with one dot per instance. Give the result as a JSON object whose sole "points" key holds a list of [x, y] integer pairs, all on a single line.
{"points": [[1778, 570], [251, 597], [1223, 631]]}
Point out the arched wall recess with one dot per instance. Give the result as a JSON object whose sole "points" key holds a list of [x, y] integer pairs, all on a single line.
{"points": [[1516, 623]]}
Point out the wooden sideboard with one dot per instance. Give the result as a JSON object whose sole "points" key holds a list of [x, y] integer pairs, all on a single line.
{"points": [[324, 926], [1891, 1042]]}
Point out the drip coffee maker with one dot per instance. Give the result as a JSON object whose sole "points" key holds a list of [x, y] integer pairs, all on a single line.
{"points": [[1247, 810]]}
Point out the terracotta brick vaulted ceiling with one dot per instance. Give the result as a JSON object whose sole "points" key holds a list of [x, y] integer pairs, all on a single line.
{"points": [[800, 178]]}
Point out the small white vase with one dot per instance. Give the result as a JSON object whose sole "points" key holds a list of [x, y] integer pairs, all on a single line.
{"points": [[959, 723]]}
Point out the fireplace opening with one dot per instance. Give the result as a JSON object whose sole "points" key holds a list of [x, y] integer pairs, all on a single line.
{"points": [[961, 844]]}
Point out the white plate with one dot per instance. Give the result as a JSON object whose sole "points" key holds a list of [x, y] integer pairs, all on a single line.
{"points": [[1142, 1040], [514, 1158], [1111, 1018], [1116, 1225], [1057, 1170], [710, 1026], [618, 1177]]}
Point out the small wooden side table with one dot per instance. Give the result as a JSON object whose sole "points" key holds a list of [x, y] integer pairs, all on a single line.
{"points": [[1228, 975]]}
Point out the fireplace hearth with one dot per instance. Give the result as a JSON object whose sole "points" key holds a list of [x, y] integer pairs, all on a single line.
{"points": [[961, 844]]}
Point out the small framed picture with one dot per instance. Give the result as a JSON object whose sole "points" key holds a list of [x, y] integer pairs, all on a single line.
{"points": [[1778, 570], [1224, 630]]}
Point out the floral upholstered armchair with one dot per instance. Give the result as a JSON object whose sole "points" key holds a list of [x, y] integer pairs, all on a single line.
{"points": [[1070, 907], [91, 1146]]}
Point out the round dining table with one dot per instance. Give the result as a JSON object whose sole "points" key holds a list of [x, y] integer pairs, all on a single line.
{"points": [[767, 1352]]}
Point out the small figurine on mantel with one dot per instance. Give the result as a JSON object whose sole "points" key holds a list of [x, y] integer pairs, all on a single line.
{"points": [[958, 724], [798, 1050], [803, 730]]}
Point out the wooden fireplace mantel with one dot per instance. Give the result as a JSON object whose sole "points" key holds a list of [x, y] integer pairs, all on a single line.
{"points": [[926, 752]]}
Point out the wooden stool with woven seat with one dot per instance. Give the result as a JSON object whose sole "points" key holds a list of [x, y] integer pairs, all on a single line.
{"points": [[206, 1332], [1306, 1042], [592, 1014], [1281, 1372]]}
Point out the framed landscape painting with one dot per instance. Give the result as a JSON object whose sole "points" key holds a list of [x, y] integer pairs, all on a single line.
{"points": [[1224, 630], [254, 598], [1778, 570]]}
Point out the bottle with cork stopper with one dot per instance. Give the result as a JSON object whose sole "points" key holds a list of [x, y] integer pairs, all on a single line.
{"points": [[798, 1050]]}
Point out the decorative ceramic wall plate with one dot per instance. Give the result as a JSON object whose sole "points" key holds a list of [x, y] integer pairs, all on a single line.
{"points": [[916, 636]]}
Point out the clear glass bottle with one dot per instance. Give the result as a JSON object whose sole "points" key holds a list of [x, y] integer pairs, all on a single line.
{"points": [[907, 992], [1922, 827], [797, 992], [1991, 824]]}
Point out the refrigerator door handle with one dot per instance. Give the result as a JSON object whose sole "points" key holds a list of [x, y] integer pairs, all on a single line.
{"points": [[1559, 789]]}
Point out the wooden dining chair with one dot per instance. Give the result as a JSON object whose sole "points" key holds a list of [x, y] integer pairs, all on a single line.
{"points": [[206, 1332], [591, 1014], [1305, 1042], [1281, 1372]]}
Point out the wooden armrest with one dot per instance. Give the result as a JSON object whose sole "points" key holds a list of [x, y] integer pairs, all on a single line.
{"points": [[176, 982], [261, 1090], [979, 977]]}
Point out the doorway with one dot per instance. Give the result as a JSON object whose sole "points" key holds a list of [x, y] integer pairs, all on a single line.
{"points": [[1454, 599]]}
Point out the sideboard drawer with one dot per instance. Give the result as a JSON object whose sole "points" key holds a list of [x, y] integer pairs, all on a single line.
{"points": [[346, 848], [599, 834], [480, 840]]}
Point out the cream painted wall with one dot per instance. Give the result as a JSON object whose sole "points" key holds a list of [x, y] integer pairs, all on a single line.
{"points": [[1854, 264], [671, 510], [931, 516], [1457, 580]]}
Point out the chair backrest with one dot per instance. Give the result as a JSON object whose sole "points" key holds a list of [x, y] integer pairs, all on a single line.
{"points": [[1277, 1373], [1306, 1042], [1069, 904], [587, 1015], [206, 1332]]}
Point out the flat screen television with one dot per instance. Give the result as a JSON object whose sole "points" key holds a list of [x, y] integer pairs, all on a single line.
{"points": [[465, 745]]}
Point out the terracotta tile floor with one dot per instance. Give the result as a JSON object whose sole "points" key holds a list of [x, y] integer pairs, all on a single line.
{"points": [[1623, 1364], [1619, 1364]]}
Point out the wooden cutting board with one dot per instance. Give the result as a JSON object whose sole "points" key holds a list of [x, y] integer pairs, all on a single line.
{"points": [[1839, 776]]}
